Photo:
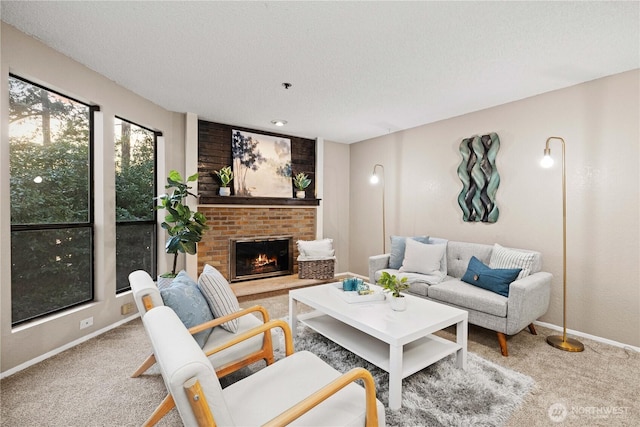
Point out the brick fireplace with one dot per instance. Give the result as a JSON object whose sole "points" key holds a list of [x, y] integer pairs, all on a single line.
{"points": [[247, 222]]}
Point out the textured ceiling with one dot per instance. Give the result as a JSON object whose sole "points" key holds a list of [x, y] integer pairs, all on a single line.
{"points": [[358, 69]]}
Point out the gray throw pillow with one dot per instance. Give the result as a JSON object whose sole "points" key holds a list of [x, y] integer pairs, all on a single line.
{"points": [[219, 295], [398, 245]]}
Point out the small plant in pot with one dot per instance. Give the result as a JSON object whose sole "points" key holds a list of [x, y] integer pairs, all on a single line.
{"points": [[225, 175], [301, 181], [390, 283], [184, 226]]}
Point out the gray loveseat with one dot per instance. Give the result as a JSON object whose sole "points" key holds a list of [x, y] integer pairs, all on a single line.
{"points": [[528, 297]]}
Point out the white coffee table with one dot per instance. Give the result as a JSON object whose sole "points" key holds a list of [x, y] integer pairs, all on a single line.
{"points": [[401, 343]]}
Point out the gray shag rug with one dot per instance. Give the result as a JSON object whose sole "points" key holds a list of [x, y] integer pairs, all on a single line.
{"points": [[485, 394]]}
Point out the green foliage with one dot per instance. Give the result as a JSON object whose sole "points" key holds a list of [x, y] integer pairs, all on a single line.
{"points": [[225, 175], [185, 227], [301, 181], [392, 284]]}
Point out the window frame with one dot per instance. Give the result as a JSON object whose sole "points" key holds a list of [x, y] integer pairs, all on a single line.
{"points": [[90, 224], [153, 221]]}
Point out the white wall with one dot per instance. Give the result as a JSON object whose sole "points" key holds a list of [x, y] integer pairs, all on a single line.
{"points": [[28, 58], [599, 121], [335, 201]]}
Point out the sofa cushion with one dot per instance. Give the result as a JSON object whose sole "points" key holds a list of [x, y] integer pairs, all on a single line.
{"points": [[219, 295], [398, 244], [184, 297], [464, 295], [511, 258], [492, 279], [422, 258], [459, 254]]}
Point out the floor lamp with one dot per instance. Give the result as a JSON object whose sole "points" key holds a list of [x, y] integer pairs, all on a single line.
{"points": [[374, 180], [561, 342]]}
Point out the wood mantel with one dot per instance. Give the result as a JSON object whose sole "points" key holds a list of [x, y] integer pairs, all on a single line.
{"points": [[260, 201]]}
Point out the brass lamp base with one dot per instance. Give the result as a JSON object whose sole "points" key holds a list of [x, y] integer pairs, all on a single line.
{"points": [[567, 345]]}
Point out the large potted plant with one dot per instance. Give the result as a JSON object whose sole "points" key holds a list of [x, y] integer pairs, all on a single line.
{"points": [[225, 175], [390, 283], [184, 226], [301, 181]]}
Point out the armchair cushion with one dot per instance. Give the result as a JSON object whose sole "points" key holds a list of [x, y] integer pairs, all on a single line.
{"points": [[273, 390], [219, 295], [184, 297]]}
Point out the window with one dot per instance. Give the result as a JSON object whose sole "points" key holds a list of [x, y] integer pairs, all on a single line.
{"points": [[135, 192], [50, 137]]}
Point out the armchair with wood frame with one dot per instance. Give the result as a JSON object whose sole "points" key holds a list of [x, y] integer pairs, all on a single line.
{"points": [[259, 347], [299, 389]]}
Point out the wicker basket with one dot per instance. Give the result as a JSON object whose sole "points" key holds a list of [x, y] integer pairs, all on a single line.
{"points": [[319, 269]]}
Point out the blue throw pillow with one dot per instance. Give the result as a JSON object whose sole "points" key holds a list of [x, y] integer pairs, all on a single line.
{"points": [[492, 279], [398, 245], [184, 297]]}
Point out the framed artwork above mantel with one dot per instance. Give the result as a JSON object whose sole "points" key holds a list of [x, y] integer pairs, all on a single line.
{"points": [[215, 152]]}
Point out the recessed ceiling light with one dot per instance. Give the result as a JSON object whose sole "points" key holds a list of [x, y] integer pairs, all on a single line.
{"points": [[279, 122]]}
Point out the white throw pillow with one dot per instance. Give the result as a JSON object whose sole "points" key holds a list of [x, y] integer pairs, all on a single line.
{"points": [[422, 258], [219, 296], [510, 258], [316, 248]]}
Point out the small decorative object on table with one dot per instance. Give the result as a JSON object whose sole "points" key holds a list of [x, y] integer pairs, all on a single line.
{"points": [[390, 283], [355, 290]]}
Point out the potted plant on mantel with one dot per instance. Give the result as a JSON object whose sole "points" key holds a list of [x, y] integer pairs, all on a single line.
{"points": [[301, 181], [390, 283], [184, 226], [225, 175]]}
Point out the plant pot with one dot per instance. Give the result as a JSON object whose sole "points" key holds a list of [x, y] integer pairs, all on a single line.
{"points": [[300, 194], [398, 303], [225, 191]]}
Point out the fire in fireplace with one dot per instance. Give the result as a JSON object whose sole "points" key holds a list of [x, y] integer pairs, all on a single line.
{"points": [[260, 257]]}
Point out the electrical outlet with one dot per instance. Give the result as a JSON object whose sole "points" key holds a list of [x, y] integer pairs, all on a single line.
{"points": [[85, 323], [126, 308]]}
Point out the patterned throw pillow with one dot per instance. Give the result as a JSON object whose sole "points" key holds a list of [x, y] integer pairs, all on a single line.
{"points": [[510, 258], [219, 295], [398, 246], [184, 297]]}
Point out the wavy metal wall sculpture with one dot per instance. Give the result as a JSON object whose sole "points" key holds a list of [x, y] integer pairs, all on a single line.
{"points": [[479, 177]]}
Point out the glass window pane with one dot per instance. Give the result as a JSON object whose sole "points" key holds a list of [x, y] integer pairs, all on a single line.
{"points": [[49, 139], [50, 270], [135, 175], [135, 193], [135, 244]]}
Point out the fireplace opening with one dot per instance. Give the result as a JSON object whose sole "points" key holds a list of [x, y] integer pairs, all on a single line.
{"points": [[261, 257]]}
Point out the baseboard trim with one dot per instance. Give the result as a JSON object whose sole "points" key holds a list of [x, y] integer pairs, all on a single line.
{"points": [[588, 336], [67, 346]]}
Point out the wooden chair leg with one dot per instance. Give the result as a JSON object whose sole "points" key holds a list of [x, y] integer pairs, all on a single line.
{"points": [[163, 409], [502, 339], [532, 329], [148, 362]]}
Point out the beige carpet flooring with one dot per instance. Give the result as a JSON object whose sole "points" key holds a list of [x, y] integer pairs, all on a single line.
{"points": [[89, 385]]}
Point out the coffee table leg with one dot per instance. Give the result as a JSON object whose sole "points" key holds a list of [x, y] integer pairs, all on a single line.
{"points": [[395, 377], [293, 315], [462, 328]]}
